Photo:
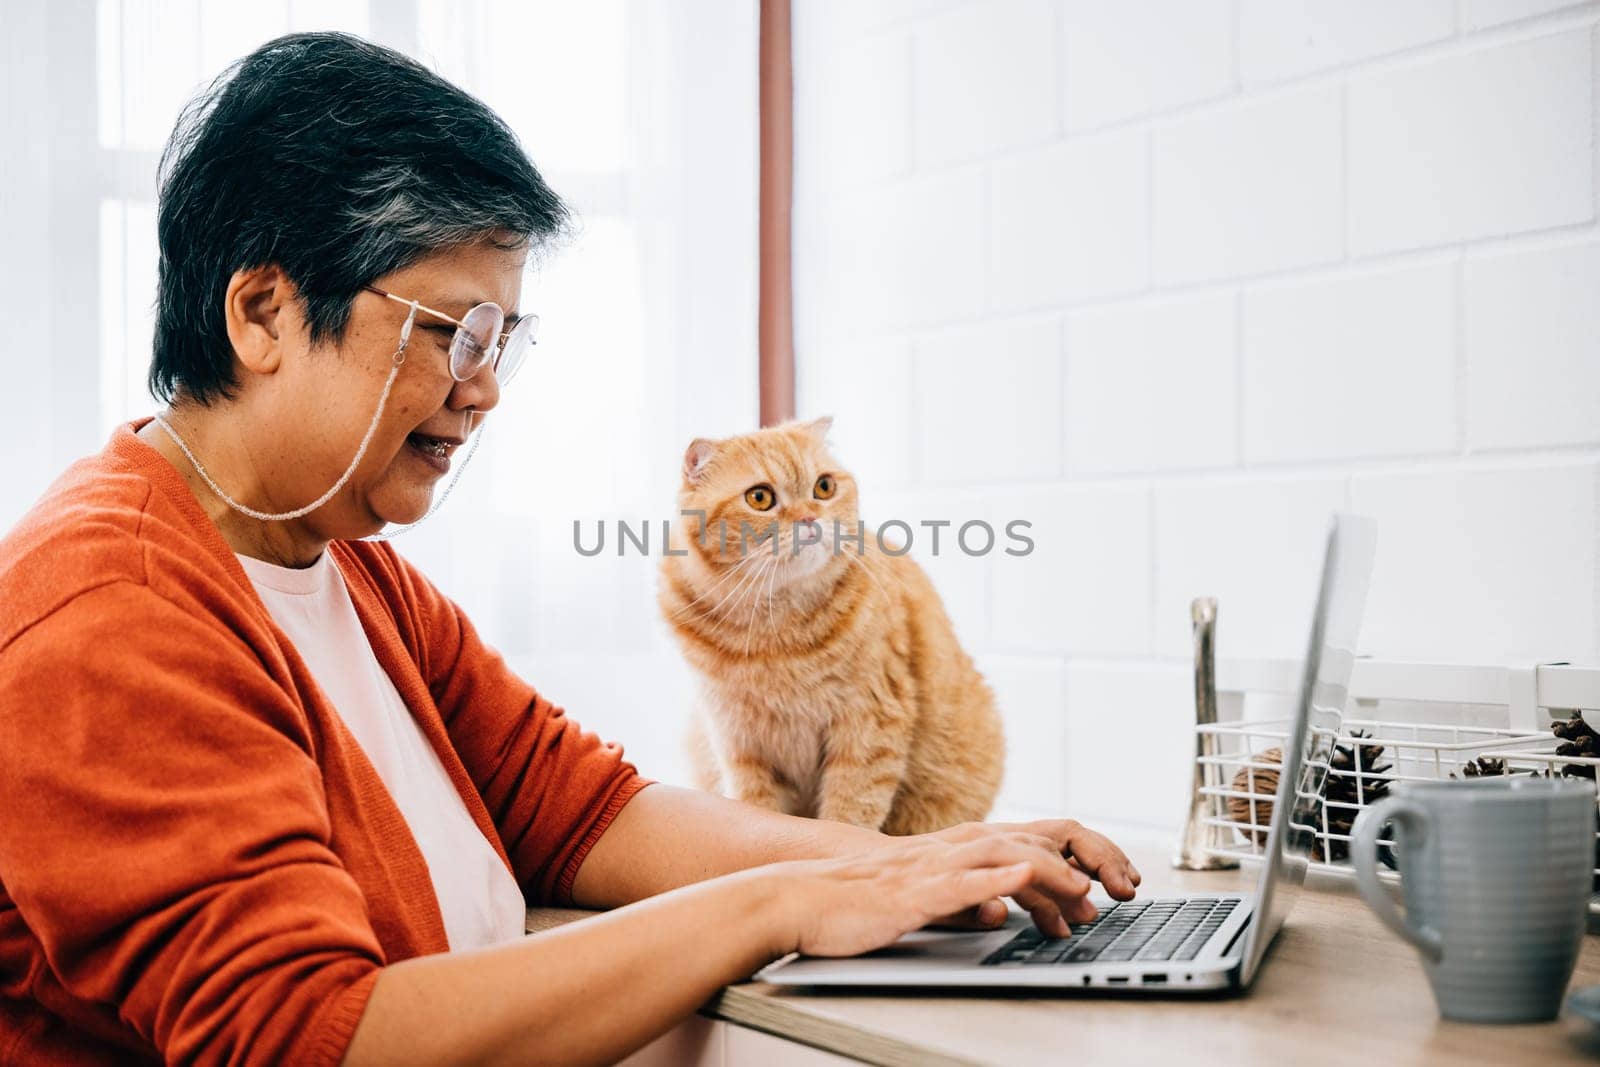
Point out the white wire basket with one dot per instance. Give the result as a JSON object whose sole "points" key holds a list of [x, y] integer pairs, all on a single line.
{"points": [[1241, 773], [1238, 765]]}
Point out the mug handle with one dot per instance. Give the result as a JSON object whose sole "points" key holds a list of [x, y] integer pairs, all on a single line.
{"points": [[1364, 855]]}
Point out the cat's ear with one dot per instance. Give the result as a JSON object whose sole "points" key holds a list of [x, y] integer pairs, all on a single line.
{"points": [[699, 454], [819, 428]]}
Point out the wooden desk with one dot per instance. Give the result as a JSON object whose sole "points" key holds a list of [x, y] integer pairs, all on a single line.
{"points": [[1336, 987]]}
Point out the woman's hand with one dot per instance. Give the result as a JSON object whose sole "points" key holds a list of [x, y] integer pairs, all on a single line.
{"points": [[1079, 846], [845, 906]]}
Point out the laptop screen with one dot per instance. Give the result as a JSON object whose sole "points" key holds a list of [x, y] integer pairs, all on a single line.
{"points": [[1324, 689]]}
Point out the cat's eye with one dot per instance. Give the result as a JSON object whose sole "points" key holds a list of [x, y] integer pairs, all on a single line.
{"points": [[760, 497], [825, 487]]}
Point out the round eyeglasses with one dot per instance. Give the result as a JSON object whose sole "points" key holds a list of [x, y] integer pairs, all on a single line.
{"points": [[479, 341]]}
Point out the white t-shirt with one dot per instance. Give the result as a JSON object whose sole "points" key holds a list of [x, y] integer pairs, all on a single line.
{"points": [[478, 897]]}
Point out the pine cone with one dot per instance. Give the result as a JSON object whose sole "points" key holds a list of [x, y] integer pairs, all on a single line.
{"points": [[1266, 787], [1483, 767], [1348, 790], [1342, 790], [1578, 738], [1489, 767]]}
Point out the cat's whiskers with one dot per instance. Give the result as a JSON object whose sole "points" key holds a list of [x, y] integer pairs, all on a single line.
{"points": [[766, 560], [771, 576], [718, 584], [737, 593], [708, 613], [755, 602]]}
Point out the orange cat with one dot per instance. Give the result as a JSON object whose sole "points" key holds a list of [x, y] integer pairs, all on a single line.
{"points": [[832, 683]]}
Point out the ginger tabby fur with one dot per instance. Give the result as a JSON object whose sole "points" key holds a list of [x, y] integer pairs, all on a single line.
{"points": [[832, 683]]}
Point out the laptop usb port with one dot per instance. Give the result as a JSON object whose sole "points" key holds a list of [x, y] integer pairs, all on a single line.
{"points": [[1152, 979], [1117, 979]]}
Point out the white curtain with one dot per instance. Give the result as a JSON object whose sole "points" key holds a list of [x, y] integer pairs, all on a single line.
{"points": [[642, 113]]}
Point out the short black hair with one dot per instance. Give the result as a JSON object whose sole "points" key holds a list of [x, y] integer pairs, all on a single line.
{"points": [[338, 160]]}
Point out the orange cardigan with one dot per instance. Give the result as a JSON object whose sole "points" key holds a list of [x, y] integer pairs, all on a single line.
{"points": [[197, 862]]}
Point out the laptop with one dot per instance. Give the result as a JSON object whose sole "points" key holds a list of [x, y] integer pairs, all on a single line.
{"points": [[1198, 943]]}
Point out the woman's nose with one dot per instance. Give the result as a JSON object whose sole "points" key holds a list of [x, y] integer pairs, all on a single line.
{"points": [[479, 393]]}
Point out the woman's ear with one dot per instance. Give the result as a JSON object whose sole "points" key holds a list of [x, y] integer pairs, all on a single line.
{"points": [[695, 460], [252, 307]]}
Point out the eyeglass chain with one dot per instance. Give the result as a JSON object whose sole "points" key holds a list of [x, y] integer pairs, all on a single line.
{"points": [[397, 361]]}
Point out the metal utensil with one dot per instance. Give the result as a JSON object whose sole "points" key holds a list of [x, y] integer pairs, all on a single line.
{"points": [[1194, 847]]}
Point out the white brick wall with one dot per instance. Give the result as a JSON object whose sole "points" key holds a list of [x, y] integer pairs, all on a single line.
{"points": [[1251, 185], [1354, 365], [1085, 588], [872, 73], [1254, 542], [1142, 722], [927, 234], [984, 80], [1532, 321], [1177, 356], [1174, 279], [1137, 56], [1280, 39], [867, 386], [1031, 693], [973, 424], [1069, 222], [1484, 565], [1492, 141]]}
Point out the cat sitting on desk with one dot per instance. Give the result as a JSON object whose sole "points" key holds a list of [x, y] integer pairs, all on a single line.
{"points": [[832, 683]]}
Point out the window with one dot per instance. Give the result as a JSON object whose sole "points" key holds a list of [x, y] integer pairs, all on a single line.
{"points": [[641, 114]]}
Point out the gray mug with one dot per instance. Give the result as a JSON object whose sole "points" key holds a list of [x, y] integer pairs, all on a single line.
{"points": [[1496, 875]]}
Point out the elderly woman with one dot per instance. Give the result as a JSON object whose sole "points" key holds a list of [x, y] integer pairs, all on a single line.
{"points": [[267, 795]]}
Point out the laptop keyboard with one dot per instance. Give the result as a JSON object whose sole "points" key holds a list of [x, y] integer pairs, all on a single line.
{"points": [[1141, 930]]}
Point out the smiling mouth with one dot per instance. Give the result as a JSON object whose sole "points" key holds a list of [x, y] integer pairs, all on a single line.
{"points": [[437, 446], [436, 450]]}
